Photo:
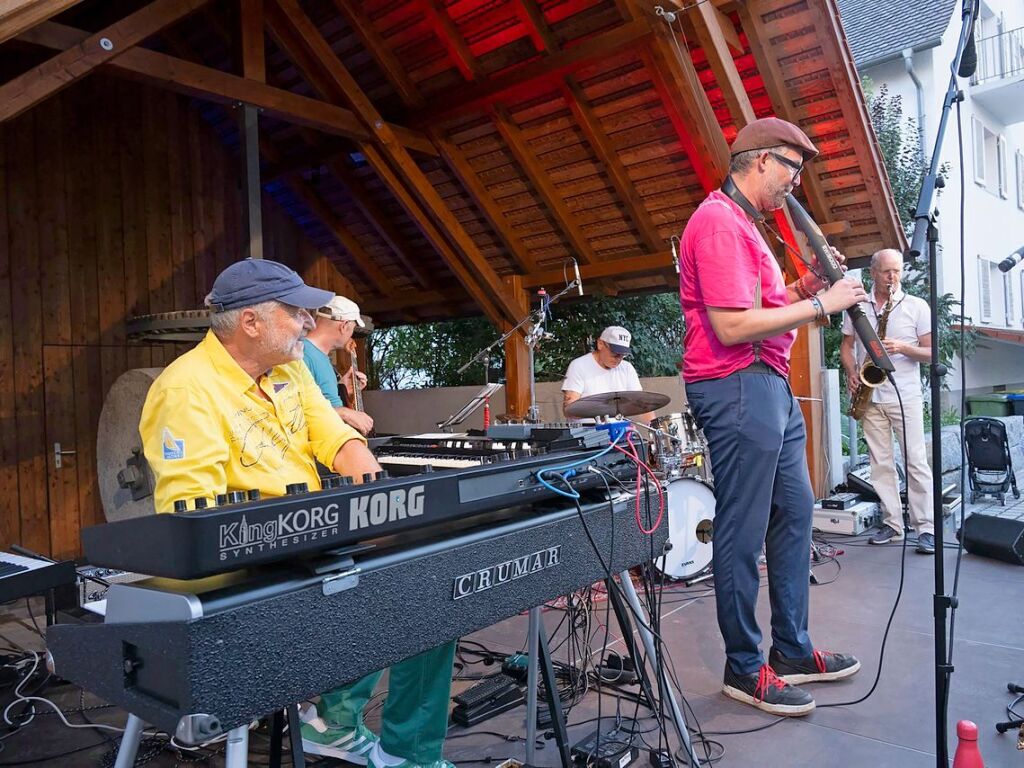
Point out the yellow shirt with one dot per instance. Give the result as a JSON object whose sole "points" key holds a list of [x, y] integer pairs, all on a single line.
{"points": [[206, 429]]}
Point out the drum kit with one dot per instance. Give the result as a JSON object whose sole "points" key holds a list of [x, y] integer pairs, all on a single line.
{"points": [[678, 455]]}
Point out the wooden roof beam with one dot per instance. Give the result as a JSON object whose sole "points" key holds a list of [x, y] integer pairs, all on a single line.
{"points": [[21, 15], [523, 81], [476, 274], [62, 70], [375, 45], [687, 105], [461, 167], [378, 219], [588, 122], [711, 26], [538, 178], [532, 14], [630, 266], [451, 39], [209, 84]]}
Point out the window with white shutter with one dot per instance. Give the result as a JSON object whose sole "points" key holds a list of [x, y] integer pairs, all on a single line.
{"points": [[1001, 169], [1010, 299], [978, 135], [984, 290]]}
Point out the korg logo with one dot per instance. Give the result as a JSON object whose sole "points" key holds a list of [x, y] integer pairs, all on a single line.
{"points": [[479, 581], [300, 526]]}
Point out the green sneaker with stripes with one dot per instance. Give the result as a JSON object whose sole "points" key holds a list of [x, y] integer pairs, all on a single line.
{"points": [[378, 758], [349, 744]]}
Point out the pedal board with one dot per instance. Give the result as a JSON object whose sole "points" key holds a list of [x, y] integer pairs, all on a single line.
{"points": [[613, 749], [486, 699]]}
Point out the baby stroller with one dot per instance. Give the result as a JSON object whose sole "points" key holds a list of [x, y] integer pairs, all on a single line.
{"points": [[989, 466]]}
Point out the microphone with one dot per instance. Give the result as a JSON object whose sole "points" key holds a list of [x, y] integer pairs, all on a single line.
{"points": [[673, 244], [579, 280], [1012, 260], [969, 59]]}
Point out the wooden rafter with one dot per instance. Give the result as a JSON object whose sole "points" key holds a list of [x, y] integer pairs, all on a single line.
{"points": [[410, 300], [254, 65], [711, 25], [687, 105], [485, 202], [375, 45], [451, 39], [48, 78], [538, 177], [524, 80], [630, 266], [475, 274], [379, 220], [19, 15], [588, 122], [537, 26], [210, 84]]}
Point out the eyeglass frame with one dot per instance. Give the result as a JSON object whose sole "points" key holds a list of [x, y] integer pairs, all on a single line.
{"points": [[793, 165]]}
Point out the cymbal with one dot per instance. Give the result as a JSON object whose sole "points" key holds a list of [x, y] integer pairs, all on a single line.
{"points": [[616, 403]]}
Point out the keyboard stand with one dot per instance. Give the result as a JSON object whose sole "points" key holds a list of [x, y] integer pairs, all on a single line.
{"points": [[236, 754], [539, 656], [294, 738]]}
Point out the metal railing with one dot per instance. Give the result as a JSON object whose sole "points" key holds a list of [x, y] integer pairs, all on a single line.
{"points": [[1000, 56]]}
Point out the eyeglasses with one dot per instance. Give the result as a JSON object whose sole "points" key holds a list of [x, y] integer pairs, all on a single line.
{"points": [[793, 165]]}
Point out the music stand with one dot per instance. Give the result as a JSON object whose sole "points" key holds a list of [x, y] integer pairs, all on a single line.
{"points": [[471, 407]]}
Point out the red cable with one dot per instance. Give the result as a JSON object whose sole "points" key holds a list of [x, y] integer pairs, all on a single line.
{"points": [[640, 467]]}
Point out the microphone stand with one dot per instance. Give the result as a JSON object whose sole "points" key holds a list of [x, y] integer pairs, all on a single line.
{"points": [[535, 334], [926, 231]]}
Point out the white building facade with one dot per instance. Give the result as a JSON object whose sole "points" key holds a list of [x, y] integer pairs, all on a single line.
{"points": [[890, 49]]}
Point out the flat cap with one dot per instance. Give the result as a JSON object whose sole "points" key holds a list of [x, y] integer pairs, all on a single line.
{"points": [[771, 132]]}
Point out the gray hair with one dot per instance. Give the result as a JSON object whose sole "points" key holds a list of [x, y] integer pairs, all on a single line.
{"points": [[877, 256], [224, 323], [741, 162]]}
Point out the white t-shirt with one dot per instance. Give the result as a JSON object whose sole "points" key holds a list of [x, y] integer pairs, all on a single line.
{"points": [[586, 376], [909, 320]]}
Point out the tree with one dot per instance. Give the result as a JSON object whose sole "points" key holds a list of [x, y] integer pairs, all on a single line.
{"points": [[430, 354]]}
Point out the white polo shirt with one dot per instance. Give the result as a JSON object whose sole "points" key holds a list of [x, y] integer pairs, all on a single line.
{"points": [[586, 376], [909, 320]]}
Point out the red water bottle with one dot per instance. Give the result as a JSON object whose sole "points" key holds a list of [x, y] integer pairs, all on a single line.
{"points": [[967, 753]]}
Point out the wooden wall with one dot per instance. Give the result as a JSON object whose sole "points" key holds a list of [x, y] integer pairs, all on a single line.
{"points": [[116, 200]]}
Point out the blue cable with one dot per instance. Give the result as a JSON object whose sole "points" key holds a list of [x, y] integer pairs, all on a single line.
{"points": [[573, 493]]}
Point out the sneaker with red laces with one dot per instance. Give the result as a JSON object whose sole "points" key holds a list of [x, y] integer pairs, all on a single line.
{"points": [[820, 667], [767, 691]]}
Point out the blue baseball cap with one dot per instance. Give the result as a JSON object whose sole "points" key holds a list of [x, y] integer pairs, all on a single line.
{"points": [[253, 281]]}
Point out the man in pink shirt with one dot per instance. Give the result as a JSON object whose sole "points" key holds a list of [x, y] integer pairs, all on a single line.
{"points": [[741, 320]]}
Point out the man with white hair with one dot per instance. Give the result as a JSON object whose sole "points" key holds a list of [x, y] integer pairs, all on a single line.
{"points": [[336, 321], [241, 411], [908, 340]]}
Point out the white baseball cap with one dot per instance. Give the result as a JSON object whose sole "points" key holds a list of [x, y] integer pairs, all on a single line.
{"points": [[340, 308], [617, 338]]}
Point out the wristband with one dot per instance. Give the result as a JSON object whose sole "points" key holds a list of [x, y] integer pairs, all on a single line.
{"points": [[819, 308]]}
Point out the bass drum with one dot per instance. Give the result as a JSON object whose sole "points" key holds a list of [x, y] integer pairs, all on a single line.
{"points": [[691, 515]]}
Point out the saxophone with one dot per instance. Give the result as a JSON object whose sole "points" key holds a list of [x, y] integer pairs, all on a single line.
{"points": [[871, 375]]}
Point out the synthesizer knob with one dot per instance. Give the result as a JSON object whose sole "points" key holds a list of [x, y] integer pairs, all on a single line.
{"points": [[367, 477], [236, 497], [199, 502], [382, 475], [428, 468], [253, 494], [180, 506], [342, 481], [222, 499], [329, 481], [295, 488]]}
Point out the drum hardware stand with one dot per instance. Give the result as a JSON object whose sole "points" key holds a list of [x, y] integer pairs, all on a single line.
{"points": [[534, 334], [539, 655], [236, 754]]}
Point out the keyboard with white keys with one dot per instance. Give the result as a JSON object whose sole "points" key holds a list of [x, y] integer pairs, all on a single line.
{"points": [[23, 576], [410, 454]]}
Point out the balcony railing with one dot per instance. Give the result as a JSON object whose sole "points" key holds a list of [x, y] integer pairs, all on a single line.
{"points": [[1000, 56]]}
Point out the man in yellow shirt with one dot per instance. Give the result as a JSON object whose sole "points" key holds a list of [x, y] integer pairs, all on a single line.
{"points": [[240, 412]]}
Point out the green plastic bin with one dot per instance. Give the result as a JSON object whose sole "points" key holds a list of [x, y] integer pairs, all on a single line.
{"points": [[994, 404]]}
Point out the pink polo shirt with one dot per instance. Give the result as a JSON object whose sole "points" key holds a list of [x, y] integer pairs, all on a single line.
{"points": [[721, 255]]}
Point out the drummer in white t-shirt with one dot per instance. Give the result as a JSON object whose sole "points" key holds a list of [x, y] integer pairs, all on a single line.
{"points": [[603, 370]]}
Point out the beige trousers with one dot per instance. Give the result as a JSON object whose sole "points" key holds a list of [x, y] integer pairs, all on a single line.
{"points": [[879, 423]]}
